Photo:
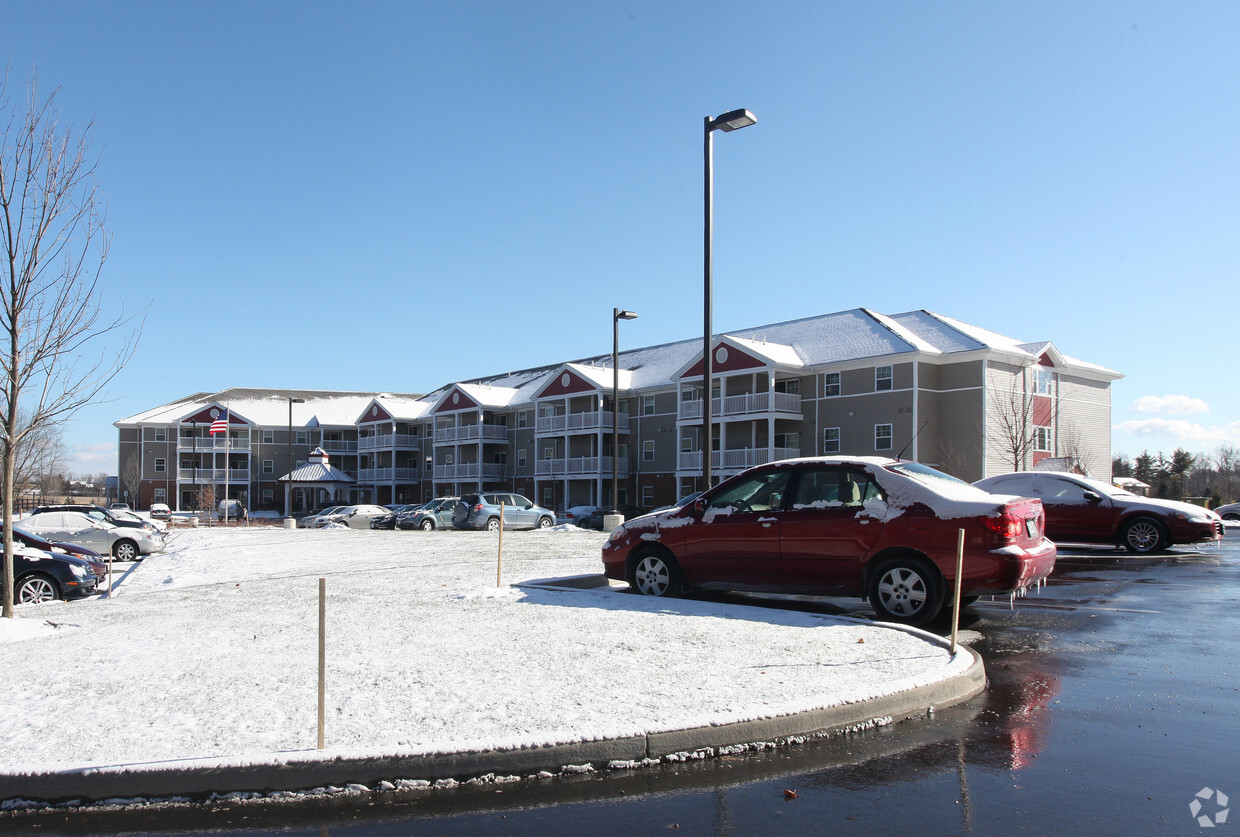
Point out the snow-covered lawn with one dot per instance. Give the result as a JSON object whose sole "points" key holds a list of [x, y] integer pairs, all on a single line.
{"points": [[209, 651]]}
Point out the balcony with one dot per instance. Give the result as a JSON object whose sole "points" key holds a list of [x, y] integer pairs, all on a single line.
{"points": [[734, 459], [214, 475], [578, 466], [210, 443], [472, 433], [579, 423], [471, 471], [375, 475], [388, 441], [338, 446], [750, 404]]}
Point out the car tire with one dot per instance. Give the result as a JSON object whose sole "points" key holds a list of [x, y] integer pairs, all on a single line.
{"points": [[1231, 516], [545, 523], [906, 589], [1143, 535], [653, 572], [426, 525], [125, 550], [36, 588], [492, 524]]}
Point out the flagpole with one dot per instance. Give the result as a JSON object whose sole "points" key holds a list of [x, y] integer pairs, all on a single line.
{"points": [[227, 427]]}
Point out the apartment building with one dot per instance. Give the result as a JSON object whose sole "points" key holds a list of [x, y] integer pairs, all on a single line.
{"points": [[918, 385]]}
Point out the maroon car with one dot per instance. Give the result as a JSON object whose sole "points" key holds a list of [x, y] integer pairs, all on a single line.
{"points": [[1083, 510], [878, 528]]}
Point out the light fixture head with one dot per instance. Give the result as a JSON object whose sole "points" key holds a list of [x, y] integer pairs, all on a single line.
{"points": [[733, 120], [621, 314]]}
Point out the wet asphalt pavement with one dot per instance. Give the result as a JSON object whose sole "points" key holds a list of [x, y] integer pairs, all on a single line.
{"points": [[1113, 701]]}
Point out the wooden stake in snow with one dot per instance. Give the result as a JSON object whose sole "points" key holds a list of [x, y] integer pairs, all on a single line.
{"points": [[499, 562], [956, 596], [322, 657]]}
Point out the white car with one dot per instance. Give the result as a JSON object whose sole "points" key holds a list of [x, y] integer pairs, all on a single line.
{"points": [[355, 517], [122, 542], [1229, 512], [312, 521]]}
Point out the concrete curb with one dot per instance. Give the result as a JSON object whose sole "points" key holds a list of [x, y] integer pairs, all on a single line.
{"points": [[188, 780]]}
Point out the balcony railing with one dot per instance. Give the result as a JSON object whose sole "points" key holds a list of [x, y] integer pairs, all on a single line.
{"points": [[472, 432], [388, 441], [338, 446], [471, 471], [579, 422], [589, 466], [373, 475], [734, 459], [210, 443], [753, 403], [214, 475]]}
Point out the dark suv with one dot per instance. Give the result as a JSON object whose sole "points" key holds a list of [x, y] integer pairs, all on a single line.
{"points": [[481, 511]]}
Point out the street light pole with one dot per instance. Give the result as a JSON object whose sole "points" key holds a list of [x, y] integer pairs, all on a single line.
{"points": [[288, 488], [731, 121], [617, 314]]}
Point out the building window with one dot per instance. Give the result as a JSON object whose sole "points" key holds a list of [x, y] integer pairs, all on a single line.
{"points": [[647, 496], [622, 450], [686, 445], [268, 497], [1042, 438], [882, 437], [689, 394], [430, 464], [161, 496], [882, 378], [830, 384], [549, 453], [831, 440], [303, 437], [161, 434], [161, 465], [647, 405], [269, 466], [548, 497], [523, 419], [521, 458], [648, 450], [792, 386], [1042, 380], [269, 437]]}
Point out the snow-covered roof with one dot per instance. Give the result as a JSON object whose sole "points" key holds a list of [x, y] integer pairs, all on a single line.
{"points": [[268, 407], [317, 470]]}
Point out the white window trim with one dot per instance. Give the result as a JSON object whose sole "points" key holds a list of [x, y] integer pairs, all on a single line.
{"points": [[890, 436], [890, 378]]}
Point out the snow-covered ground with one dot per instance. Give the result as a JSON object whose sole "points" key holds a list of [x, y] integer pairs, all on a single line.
{"points": [[209, 652]]}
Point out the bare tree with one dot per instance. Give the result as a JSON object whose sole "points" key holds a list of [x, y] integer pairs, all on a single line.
{"points": [[1011, 427], [54, 248], [39, 456], [130, 480], [1071, 446]]}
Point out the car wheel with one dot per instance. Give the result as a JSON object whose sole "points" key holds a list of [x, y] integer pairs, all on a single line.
{"points": [[493, 524], [427, 525], [655, 573], [906, 589], [1143, 535], [36, 589], [1231, 516], [125, 551], [545, 523]]}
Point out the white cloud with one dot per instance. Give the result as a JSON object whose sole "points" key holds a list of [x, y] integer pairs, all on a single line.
{"points": [[1177, 405], [1179, 430], [92, 458]]}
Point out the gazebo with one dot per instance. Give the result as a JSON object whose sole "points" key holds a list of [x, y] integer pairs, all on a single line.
{"points": [[321, 481]]}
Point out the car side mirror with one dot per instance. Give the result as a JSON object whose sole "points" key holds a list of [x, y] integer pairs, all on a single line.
{"points": [[699, 506], [1092, 496]]}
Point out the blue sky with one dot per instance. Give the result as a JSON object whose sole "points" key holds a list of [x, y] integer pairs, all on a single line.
{"points": [[392, 196]]}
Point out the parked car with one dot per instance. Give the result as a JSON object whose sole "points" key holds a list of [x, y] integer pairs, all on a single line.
{"points": [[231, 509], [582, 517], [1231, 511], [47, 576], [120, 506], [160, 511], [394, 512], [437, 514], [682, 502], [1083, 510], [309, 520], [123, 543], [355, 517], [97, 564], [481, 511], [882, 529], [114, 516]]}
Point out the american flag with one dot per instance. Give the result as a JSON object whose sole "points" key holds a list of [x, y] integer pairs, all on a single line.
{"points": [[220, 425]]}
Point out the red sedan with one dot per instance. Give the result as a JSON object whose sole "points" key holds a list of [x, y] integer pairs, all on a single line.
{"points": [[878, 528]]}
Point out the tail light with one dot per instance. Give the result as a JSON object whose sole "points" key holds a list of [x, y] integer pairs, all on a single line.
{"points": [[1007, 526]]}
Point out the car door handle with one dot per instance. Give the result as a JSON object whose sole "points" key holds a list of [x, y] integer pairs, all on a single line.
{"points": [[767, 521]]}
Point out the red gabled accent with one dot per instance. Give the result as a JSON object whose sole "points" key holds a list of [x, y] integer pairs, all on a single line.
{"points": [[735, 361], [557, 386], [204, 416], [374, 413], [456, 400]]}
